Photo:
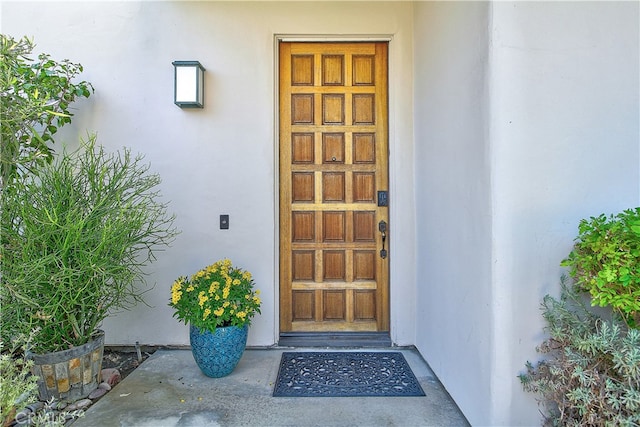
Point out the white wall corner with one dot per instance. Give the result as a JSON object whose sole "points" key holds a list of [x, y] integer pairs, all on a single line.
{"points": [[564, 137]]}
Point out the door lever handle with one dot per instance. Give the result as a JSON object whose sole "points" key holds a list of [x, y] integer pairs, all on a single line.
{"points": [[382, 226]]}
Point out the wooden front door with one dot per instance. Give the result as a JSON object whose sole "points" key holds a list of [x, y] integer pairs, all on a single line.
{"points": [[334, 273]]}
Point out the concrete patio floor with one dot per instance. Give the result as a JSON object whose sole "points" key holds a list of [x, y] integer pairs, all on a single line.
{"points": [[168, 390]]}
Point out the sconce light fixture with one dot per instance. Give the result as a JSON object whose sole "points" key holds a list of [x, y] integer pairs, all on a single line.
{"points": [[188, 84]]}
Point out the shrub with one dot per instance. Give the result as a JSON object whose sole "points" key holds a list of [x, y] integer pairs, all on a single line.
{"points": [[605, 262], [590, 375], [17, 387], [35, 98], [77, 236]]}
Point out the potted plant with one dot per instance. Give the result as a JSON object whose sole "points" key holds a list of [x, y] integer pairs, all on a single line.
{"points": [[77, 235], [218, 302]]}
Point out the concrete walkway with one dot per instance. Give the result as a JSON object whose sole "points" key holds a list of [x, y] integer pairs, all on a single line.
{"points": [[168, 390]]}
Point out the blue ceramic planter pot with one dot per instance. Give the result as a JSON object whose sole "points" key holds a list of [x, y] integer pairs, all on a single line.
{"points": [[218, 353]]}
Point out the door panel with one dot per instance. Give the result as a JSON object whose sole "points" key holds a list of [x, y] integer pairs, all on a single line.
{"points": [[333, 162]]}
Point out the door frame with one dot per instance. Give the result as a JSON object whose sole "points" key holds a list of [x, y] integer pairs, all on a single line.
{"points": [[337, 339]]}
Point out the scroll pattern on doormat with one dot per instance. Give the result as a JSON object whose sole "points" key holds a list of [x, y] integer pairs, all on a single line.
{"points": [[345, 374]]}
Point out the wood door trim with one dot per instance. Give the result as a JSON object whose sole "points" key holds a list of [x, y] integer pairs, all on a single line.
{"points": [[305, 38], [281, 108]]}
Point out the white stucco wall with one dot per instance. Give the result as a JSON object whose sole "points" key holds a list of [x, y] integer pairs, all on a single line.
{"points": [[222, 159], [557, 84], [453, 199], [565, 146]]}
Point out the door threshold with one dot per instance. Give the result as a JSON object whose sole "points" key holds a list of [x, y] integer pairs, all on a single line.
{"points": [[335, 339]]}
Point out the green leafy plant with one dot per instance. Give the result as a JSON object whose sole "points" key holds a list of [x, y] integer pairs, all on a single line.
{"points": [[35, 99], [77, 236], [18, 387], [590, 375], [218, 295], [605, 262]]}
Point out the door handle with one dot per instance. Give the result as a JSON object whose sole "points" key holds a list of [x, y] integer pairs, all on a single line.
{"points": [[382, 227]]}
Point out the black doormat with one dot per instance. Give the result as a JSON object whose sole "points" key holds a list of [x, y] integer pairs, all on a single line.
{"points": [[345, 374]]}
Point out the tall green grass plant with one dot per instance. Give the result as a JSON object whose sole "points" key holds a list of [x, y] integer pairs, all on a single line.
{"points": [[77, 236]]}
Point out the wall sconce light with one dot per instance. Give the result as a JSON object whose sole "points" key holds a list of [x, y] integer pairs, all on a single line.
{"points": [[188, 84]]}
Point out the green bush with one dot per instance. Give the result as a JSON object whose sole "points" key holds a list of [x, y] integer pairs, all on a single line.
{"points": [[77, 236], [605, 262], [590, 374], [17, 387], [35, 99]]}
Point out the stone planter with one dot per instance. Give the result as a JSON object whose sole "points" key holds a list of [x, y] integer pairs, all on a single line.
{"points": [[69, 374]]}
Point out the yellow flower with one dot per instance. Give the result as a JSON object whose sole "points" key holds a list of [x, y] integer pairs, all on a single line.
{"points": [[198, 275], [176, 290], [175, 296], [202, 298], [220, 288], [213, 288]]}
